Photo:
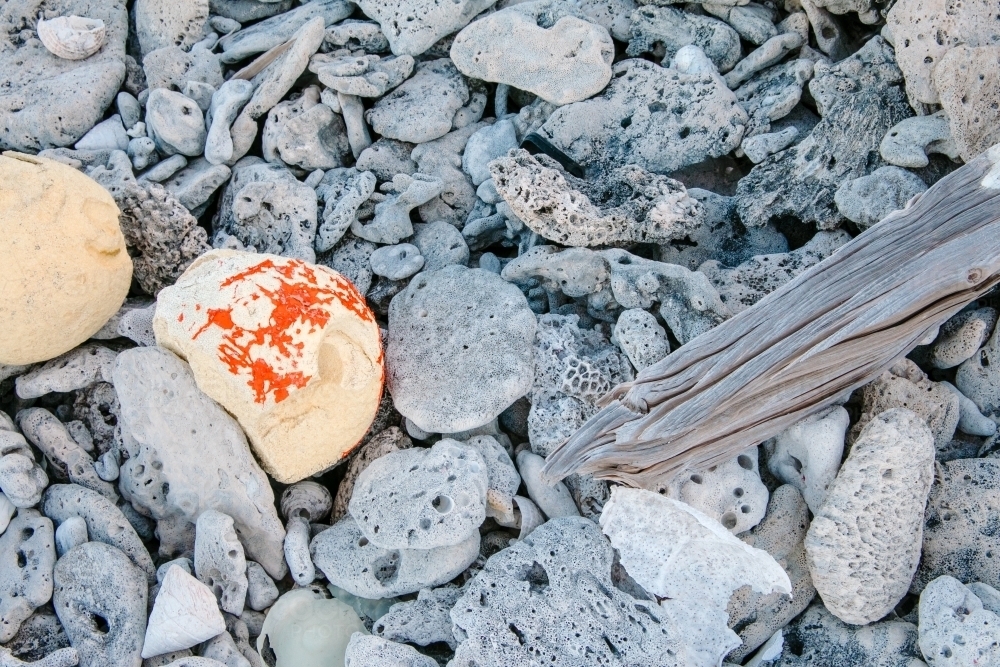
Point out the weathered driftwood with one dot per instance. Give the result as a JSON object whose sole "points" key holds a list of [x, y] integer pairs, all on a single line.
{"points": [[830, 330]]}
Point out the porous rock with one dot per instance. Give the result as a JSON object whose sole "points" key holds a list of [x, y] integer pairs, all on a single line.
{"points": [[100, 598], [504, 480], [909, 142], [275, 31], [485, 145], [954, 627], [77, 369], [384, 442], [365, 650], [633, 204], [27, 556], [175, 123], [802, 180], [184, 614], [219, 561], [391, 223], [350, 561], [731, 493], [962, 335], [159, 23], [868, 199], [305, 133], [163, 417], [423, 621], [772, 94], [261, 591], [440, 159], [807, 454], [449, 374], [51, 101], [554, 499], [305, 397], [656, 117], [641, 337], [539, 47], [413, 26], [62, 231], [41, 635], [342, 193], [397, 262], [861, 563], [671, 29], [440, 244], [47, 433], [421, 498]]}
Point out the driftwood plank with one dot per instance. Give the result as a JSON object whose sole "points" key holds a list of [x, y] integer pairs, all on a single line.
{"points": [[830, 330]]}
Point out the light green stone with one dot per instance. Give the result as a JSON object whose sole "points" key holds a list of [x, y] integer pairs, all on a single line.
{"points": [[305, 629]]}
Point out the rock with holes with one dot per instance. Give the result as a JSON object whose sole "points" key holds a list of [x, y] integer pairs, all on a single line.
{"points": [[48, 434], [163, 417], [22, 480], [955, 628], [289, 348], [641, 337], [444, 160], [440, 244], [659, 118], [868, 199], [384, 442], [341, 193], [910, 141], [540, 47], [261, 590], [100, 598], [77, 369], [413, 26], [904, 385], [27, 556], [807, 454], [962, 336], [802, 180], [731, 493], [350, 561], [742, 286], [424, 621], [554, 499], [501, 473], [105, 522], [671, 29], [757, 616], [864, 544], [958, 524], [771, 94], [365, 650], [422, 498], [817, 638], [632, 204], [160, 23], [175, 123], [978, 377], [305, 628], [487, 144], [459, 348], [219, 561], [397, 262], [184, 613], [39, 637], [305, 133], [517, 609]]}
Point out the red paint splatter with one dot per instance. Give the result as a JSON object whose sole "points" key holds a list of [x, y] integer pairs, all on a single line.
{"points": [[298, 299]]}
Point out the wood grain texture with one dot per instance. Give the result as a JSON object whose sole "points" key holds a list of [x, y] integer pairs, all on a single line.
{"points": [[830, 330]]}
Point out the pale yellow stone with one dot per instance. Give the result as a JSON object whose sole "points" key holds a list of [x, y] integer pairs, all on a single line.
{"points": [[288, 347], [65, 267]]}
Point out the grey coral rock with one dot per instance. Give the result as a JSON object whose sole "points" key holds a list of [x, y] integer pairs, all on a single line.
{"points": [[368, 651], [634, 206], [868, 199], [423, 621], [27, 556], [672, 29], [864, 544], [413, 26], [955, 628], [219, 561], [77, 369], [384, 442]]}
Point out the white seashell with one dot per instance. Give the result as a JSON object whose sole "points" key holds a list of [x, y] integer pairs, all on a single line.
{"points": [[72, 37]]}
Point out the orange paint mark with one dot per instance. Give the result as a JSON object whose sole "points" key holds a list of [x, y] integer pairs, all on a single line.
{"points": [[298, 299], [180, 318]]}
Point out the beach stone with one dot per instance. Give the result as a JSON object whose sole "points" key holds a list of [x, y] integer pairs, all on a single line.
{"points": [[444, 159], [421, 498], [184, 614], [194, 185], [100, 598], [48, 434], [423, 621], [860, 563], [769, 53], [966, 81], [361, 76], [633, 204], [672, 29], [22, 480], [164, 482], [731, 493], [554, 499], [441, 245], [305, 133], [277, 30], [40, 636], [365, 650], [387, 157], [807, 454], [413, 26], [504, 480], [962, 336], [159, 23], [970, 420], [487, 144], [219, 561], [62, 230], [350, 561], [909, 142], [77, 369], [869, 199], [305, 628], [756, 616], [106, 135], [71, 533], [342, 192], [772, 93], [450, 375], [955, 628], [172, 67], [904, 385], [397, 262], [539, 47], [392, 223], [27, 556], [104, 520], [976, 378], [641, 337], [817, 638], [334, 377], [384, 442], [261, 590], [226, 104], [175, 123], [351, 259], [759, 146], [636, 120], [51, 101], [423, 107]]}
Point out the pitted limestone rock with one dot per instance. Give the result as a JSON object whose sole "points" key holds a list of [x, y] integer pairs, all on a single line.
{"points": [[781, 534], [966, 82], [226, 104], [27, 556], [305, 133], [397, 262], [970, 420], [440, 244], [175, 123], [423, 621], [366, 650], [636, 119], [444, 159], [100, 598], [261, 590], [351, 258], [219, 561], [802, 180], [911, 140], [807, 454], [362, 76], [977, 377], [391, 223], [767, 54], [422, 498], [22, 480], [771, 94], [730, 493], [350, 561], [554, 499], [742, 286], [904, 385], [171, 67], [503, 478], [387, 157], [384, 442], [861, 562], [77, 369], [355, 34], [163, 417], [633, 205], [962, 336], [955, 628], [868, 199], [671, 29], [413, 26], [68, 459], [541, 47], [277, 30], [641, 337], [459, 348], [341, 193], [264, 208], [487, 144], [573, 272], [160, 24]]}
